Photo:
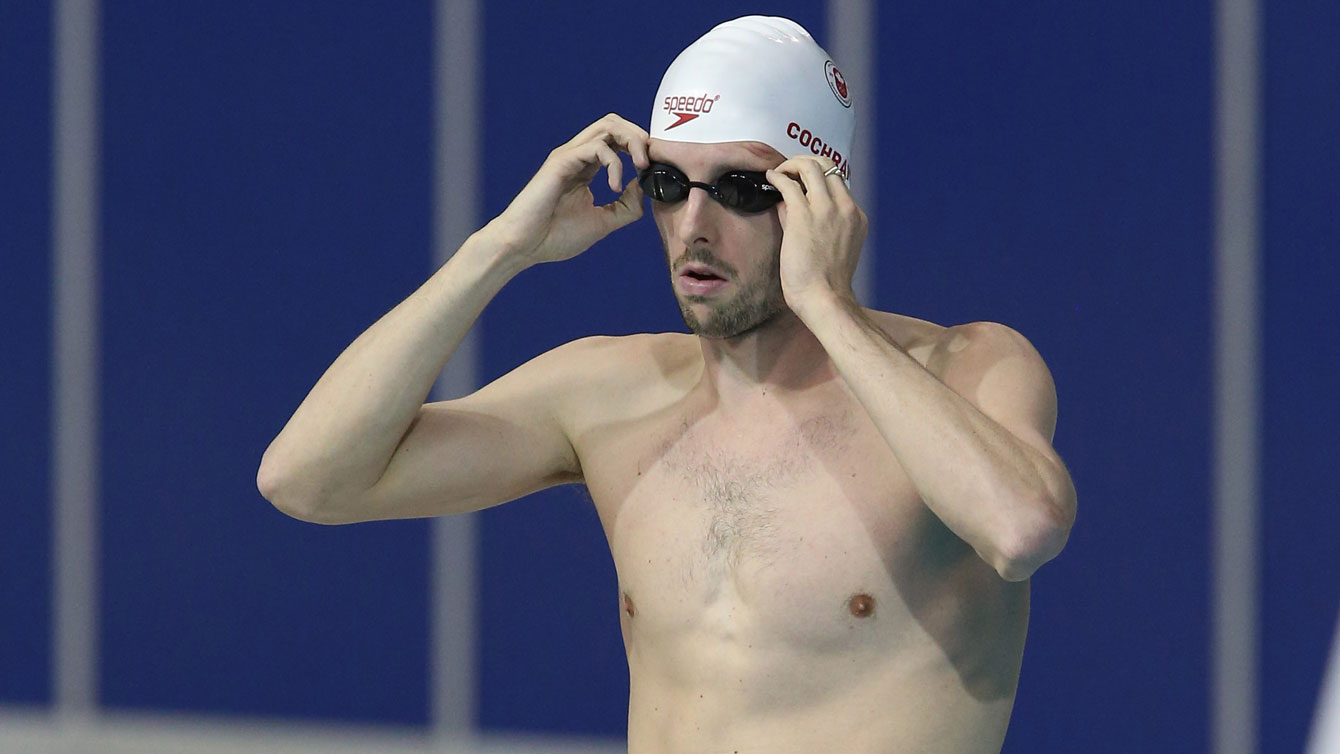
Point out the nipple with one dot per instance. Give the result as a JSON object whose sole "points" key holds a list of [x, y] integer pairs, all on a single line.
{"points": [[628, 605], [861, 605]]}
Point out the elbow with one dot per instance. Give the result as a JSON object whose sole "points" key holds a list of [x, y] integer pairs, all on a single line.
{"points": [[274, 487], [1034, 543], [268, 481], [290, 497]]}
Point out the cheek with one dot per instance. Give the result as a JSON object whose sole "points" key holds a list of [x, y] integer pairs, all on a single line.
{"points": [[768, 225], [763, 228], [767, 233], [660, 214]]}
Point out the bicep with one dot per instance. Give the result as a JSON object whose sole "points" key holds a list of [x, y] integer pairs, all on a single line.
{"points": [[498, 444]]}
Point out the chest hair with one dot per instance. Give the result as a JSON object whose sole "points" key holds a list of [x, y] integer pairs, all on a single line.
{"points": [[744, 487]]}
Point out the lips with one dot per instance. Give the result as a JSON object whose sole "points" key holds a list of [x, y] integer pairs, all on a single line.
{"points": [[700, 271], [700, 280], [700, 275]]}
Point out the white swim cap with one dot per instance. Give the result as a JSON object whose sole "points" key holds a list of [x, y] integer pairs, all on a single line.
{"points": [[757, 78]]}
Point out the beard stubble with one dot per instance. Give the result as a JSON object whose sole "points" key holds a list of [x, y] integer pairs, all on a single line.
{"points": [[754, 302]]}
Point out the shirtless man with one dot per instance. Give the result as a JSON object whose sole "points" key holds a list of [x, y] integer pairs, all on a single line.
{"points": [[823, 518]]}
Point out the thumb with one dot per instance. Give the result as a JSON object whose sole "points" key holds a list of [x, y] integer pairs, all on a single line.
{"points": [[625, 209]]}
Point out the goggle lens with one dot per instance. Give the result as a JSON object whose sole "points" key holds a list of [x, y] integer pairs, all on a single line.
{"points": [[740, 190]]}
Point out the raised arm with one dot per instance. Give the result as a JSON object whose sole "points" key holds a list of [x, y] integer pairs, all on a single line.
{"points": [[363, 445], [974, 440]]}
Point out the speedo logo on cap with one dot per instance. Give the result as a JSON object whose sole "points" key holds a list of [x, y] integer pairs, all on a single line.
{"points": [[688, 108]]}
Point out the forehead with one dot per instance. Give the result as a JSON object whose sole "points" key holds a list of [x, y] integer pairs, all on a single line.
{"points": [[709, 158]]}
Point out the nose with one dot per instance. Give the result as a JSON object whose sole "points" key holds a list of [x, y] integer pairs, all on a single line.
{"points": [[697, 218]]}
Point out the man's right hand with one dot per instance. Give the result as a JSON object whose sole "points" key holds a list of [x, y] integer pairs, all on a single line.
{"points": [[363, 445], [555, 216]]}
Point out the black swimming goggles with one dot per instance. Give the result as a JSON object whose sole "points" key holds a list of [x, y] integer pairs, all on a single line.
{"points": [[740, 190]]}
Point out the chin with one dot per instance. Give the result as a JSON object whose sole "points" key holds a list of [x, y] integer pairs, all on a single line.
{"points": [[727, 324]]}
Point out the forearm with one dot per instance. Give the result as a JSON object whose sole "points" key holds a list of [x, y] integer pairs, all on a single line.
{"points": [[342, 436], [994, 491]]}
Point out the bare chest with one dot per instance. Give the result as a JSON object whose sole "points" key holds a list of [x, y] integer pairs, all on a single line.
{"points": [[796, 529]]}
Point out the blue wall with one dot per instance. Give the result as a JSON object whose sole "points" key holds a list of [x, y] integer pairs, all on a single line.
{"points": [[266, 196], [1301, 442], [25, 305]]}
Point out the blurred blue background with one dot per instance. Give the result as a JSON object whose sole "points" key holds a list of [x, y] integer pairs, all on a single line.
{"points": [[266, 184]]}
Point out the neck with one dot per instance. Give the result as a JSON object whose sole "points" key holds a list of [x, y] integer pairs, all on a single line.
{"points": [[779, 355]]}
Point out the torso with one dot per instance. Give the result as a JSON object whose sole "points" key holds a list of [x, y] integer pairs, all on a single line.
{"points": [[782, 587]]}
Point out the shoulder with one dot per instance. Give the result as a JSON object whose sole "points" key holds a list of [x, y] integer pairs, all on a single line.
{"points": [[619, 358], [580, 369], [976, 347], [606, 377], [988, 363], [996, 368], [972, 346], [920, 338]]}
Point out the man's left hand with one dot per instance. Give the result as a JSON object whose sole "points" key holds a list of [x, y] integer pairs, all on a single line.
{"points": [[822, 230]]}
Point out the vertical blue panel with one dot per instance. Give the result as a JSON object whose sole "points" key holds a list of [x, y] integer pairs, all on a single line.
{"points": [[1301, 444], [267, 197], [551, 654], [1047, 166], [25, 306]]}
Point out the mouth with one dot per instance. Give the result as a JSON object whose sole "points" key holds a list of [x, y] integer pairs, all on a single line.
{"points": [[697, 279]]}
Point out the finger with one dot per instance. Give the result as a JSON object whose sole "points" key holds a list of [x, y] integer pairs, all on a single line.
{"points": [[792, 193], [791, 164], [577, 163], [598, 127], [633, 140], [615, 129], [637, 147], [812, 175], [625, 209], [613, 165], [589, 151], [791, 169], [839, 189]]}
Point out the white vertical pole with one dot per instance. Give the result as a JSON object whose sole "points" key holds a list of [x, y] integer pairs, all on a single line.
{"points": [[1236, 539], [1325, 737], [851, 42], [75, 354], [456, 204]]}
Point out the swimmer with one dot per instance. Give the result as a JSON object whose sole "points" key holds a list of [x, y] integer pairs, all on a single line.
{"points": [[823, 517]]}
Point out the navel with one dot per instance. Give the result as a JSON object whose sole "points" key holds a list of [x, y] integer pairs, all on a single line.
{"points": [[628, 605], [861, 605]]}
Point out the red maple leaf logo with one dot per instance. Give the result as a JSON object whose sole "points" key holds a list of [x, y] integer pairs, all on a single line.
{"points": [[841, 83]]}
